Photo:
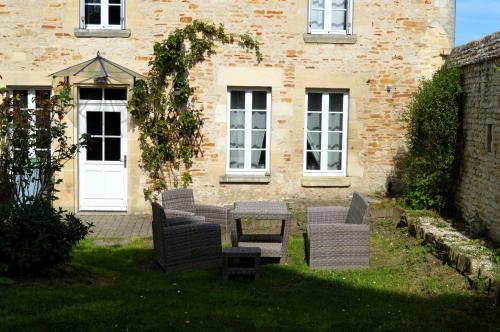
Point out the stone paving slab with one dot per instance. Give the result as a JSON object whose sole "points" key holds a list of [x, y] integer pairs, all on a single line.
{"points": [[119, 226]]}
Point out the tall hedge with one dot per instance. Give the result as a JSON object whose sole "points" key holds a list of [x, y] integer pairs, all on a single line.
{"points": [[430, 168]]}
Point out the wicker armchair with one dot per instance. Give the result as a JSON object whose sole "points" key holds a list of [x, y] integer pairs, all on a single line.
{"points": [[339, 237], [180, 202], [185, 243]]}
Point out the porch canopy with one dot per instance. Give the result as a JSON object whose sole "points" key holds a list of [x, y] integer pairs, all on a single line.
{"points": [[99, 70]]}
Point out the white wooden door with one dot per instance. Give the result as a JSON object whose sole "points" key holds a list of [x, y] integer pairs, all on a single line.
{"points": [[103, 164]]}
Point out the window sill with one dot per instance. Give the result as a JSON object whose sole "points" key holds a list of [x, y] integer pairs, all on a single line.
{"points": [[326, 181], [104, 33], [329, 39], [257, 179]]}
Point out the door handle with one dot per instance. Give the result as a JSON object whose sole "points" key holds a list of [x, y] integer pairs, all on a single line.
{"points": [[125, 161]]}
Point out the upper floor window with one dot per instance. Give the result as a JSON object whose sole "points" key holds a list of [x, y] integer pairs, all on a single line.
{"points": [[326, 133], [248, 130], [102, 14], [330, 16]]}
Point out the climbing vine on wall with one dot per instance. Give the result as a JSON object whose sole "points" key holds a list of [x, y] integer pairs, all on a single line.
{"points": [[162, 106]]}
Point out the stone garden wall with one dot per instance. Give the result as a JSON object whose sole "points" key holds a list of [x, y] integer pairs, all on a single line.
{"points": [[479, 192]]}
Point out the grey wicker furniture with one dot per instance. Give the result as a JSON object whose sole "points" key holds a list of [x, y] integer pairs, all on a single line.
{"points": [[269, 244], [185, 243], [241, 261], [339, 237], [180, 202]]}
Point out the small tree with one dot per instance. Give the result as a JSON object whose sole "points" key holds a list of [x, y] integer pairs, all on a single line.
{"points": [[433, 122], [34, 236], [169, 125]]}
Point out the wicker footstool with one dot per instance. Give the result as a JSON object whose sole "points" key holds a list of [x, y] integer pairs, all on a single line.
{"points": [[241, 261]]}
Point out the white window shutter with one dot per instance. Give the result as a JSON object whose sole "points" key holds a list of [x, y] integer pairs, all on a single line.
{"points": [[122, 14], [309, 4], [82, 14]]}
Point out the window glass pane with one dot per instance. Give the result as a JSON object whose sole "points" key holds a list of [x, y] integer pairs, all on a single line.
{"points": [[313, 141], [259, 100], [115, 94], [92, 1], [237, 100], [313, 160], [259, 159], [94, 149], [339, 4], [314, 121], [335, 121], [90, 94], [314, 101], [21, 124], [42, 125], [237, 120], [42, 96], [338, 20], [236, 159], [92, 14], [258, 140], [112, 123], [94, 123], [20, 98], [115, 1], [334, 141], [114, 15], [237, 139], [336, 102], [258, 120], [334, 161], [318, 3], [112, 149], [317, 19]]}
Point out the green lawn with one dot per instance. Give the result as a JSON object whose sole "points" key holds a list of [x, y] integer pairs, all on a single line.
{"points": [[117, 288]]}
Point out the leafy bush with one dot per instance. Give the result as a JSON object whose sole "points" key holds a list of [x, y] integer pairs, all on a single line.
{"points": [[4, 281], [36, 237], [429, 170]]}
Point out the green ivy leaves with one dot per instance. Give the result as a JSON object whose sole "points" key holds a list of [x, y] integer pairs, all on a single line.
{"points": [[169, 125]]}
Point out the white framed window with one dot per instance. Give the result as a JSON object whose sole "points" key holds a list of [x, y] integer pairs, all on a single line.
{"points": [[28, 99], [330, 16], [248, 127], [325, 133], [102, 14]]}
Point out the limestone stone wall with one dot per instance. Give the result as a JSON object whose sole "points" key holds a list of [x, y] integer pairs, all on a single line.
{"points": [[396, 43], [479, 191]]}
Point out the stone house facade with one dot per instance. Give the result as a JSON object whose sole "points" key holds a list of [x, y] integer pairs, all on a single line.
{"points": [[478, 194], [318, 119]]}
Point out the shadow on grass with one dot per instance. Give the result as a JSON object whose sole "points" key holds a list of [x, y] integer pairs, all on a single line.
{"points": [[121, 289]]}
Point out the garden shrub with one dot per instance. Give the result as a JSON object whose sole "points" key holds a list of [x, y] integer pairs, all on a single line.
{"points": [[4, 281], [37, 237], [430, 168], [34, 236]]}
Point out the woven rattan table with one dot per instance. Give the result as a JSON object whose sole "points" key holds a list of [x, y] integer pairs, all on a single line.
{"points": [[270, 245]]}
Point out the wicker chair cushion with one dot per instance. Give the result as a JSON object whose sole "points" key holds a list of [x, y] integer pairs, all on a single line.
{"points": [[358, 211]]}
